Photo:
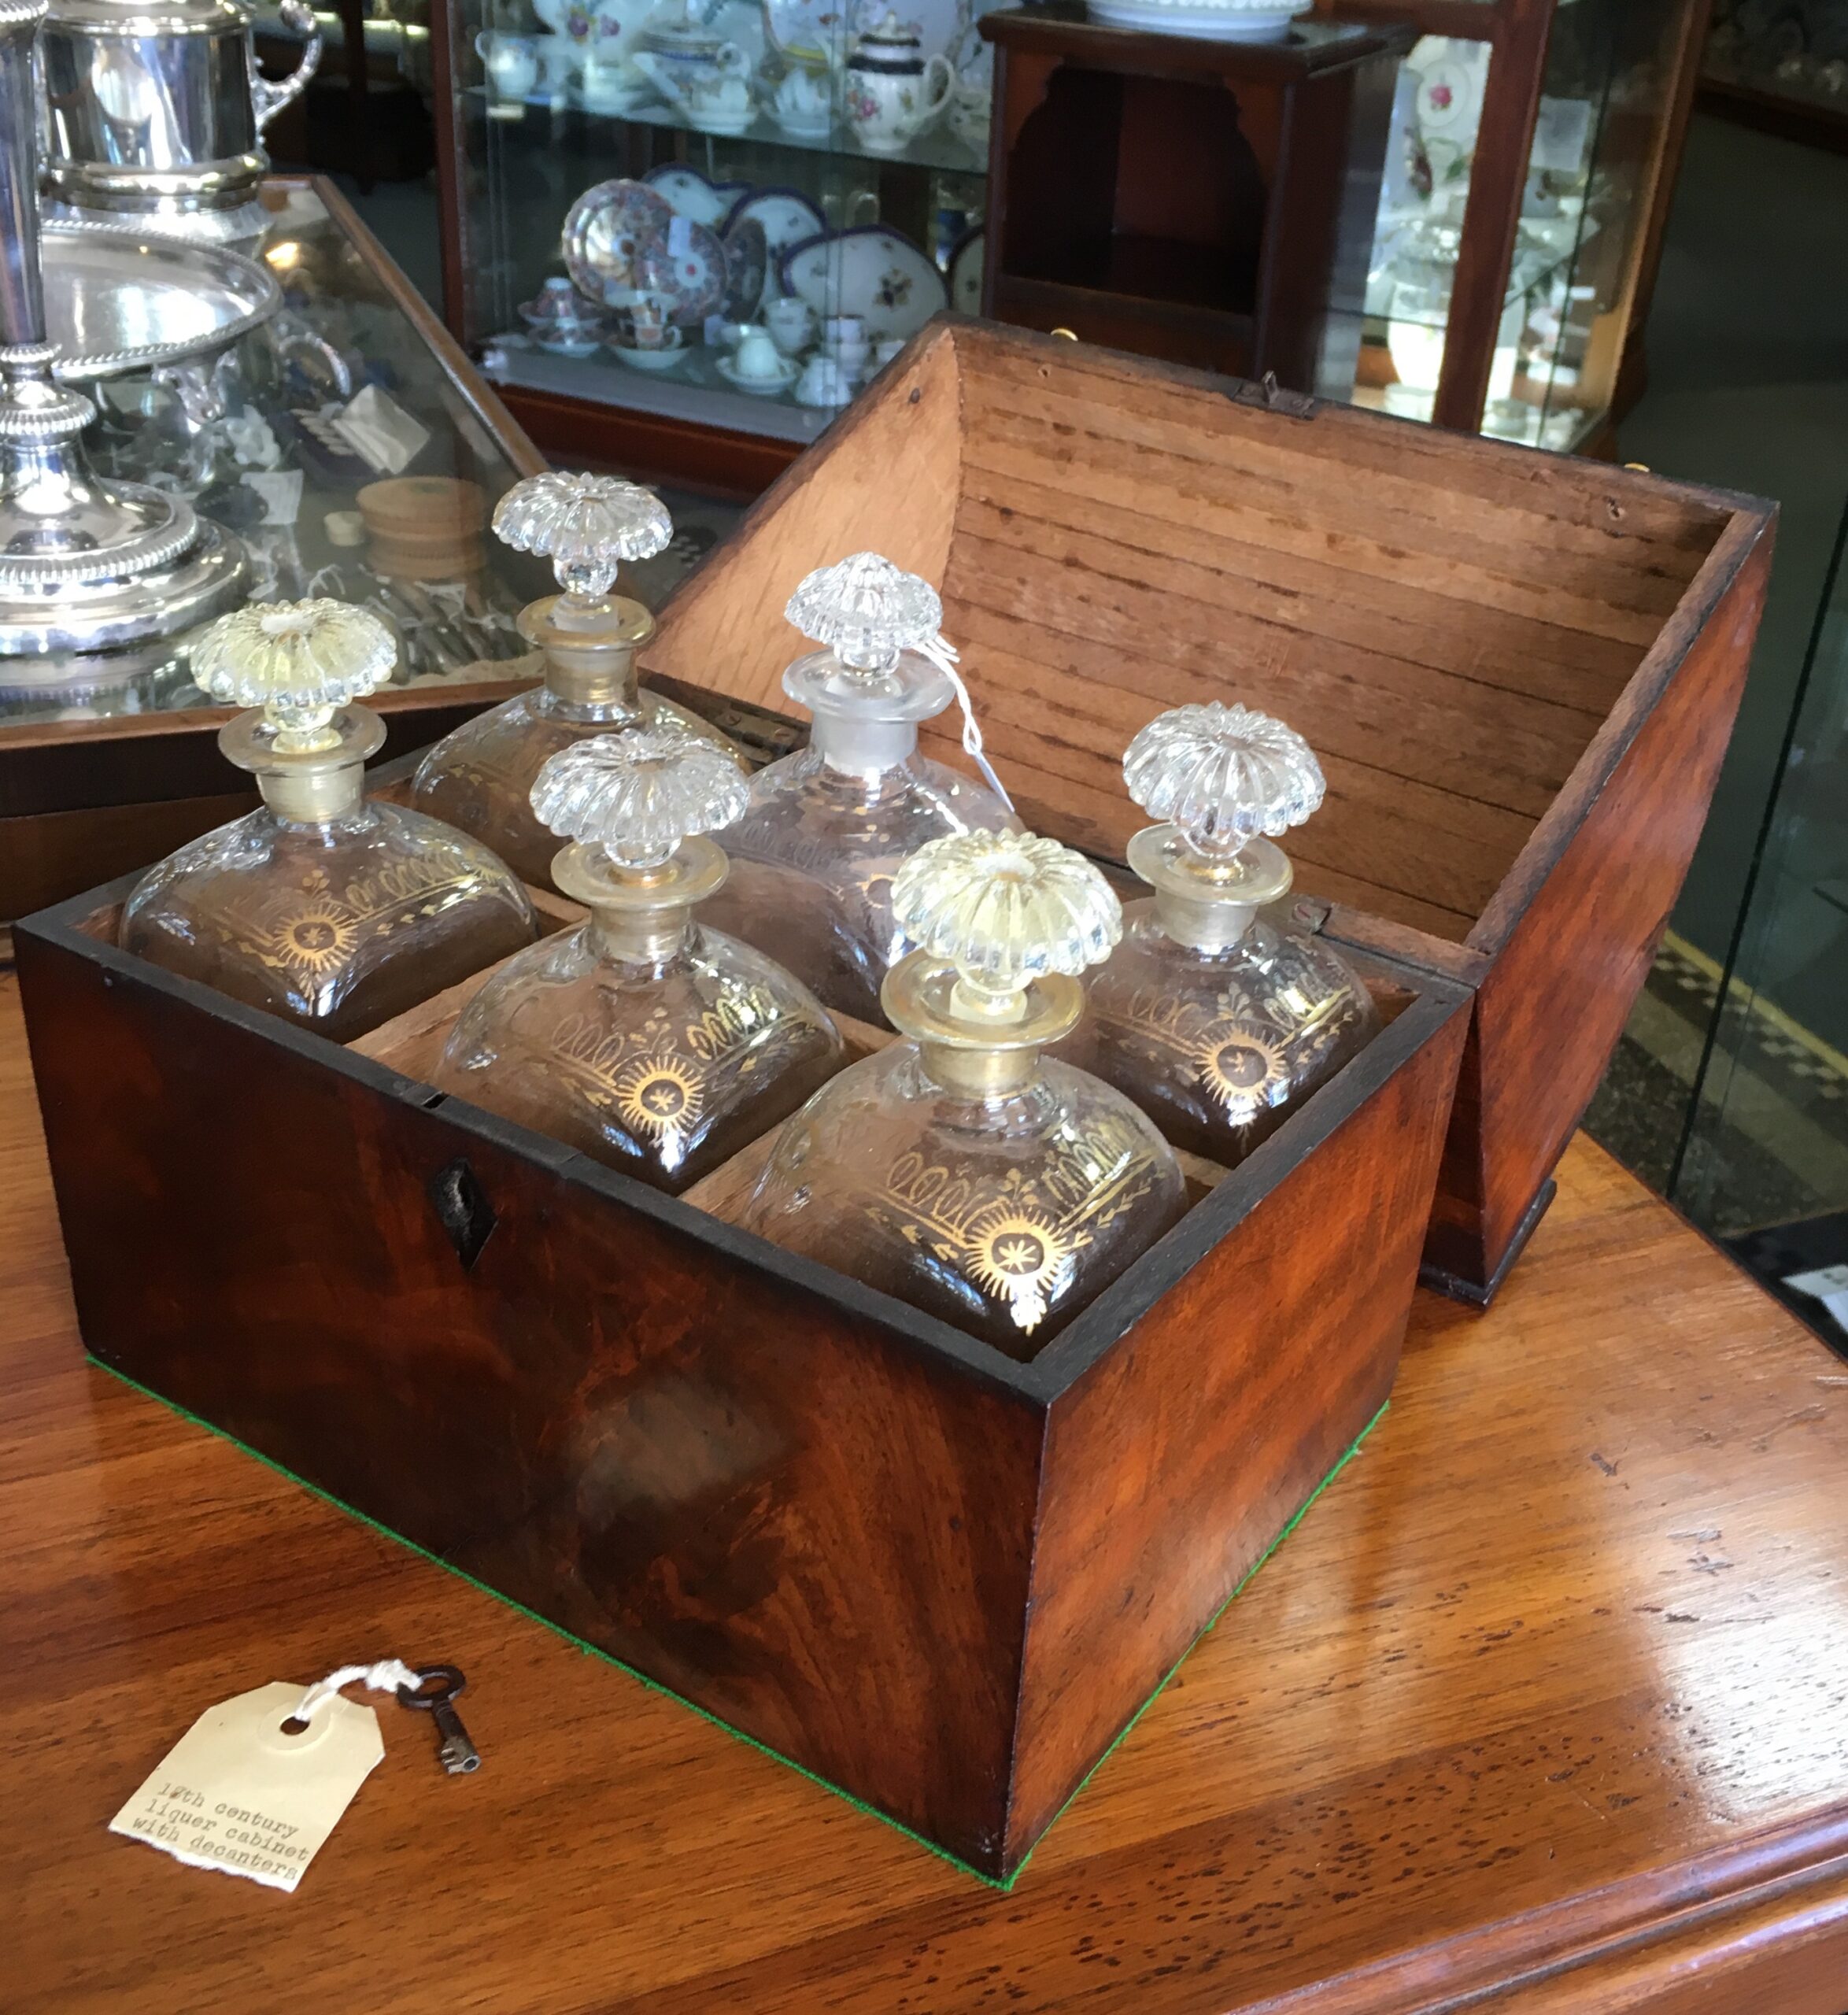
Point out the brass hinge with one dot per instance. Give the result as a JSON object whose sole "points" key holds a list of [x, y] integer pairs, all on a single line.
{"points": [[1267, 393]]}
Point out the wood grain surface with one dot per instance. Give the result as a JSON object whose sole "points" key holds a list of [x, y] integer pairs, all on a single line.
{"points": [[1545, 1703]]}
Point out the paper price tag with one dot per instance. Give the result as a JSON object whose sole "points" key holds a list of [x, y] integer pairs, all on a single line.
{"points": [[236, 1794], [679, 237]]}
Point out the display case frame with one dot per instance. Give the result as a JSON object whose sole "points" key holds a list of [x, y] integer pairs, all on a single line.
{"points": [[1519, 33]]}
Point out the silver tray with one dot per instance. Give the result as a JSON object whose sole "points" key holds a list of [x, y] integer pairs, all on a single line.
{"points": [[116, 301]]}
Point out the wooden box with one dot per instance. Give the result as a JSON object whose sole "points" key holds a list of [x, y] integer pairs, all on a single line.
{"points": [[940, 1579], [1519, 670]]}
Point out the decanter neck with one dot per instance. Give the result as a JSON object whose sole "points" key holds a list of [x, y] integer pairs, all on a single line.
{"points": [[589, 645], [981, 1073], [315, 797], [1207, 904], [861, 747], [1208, 924], [641, 916], [312, 785]]}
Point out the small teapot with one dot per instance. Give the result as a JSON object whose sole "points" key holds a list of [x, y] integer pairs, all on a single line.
{"points": [[702, 76], [890, 94], [511, 63]]}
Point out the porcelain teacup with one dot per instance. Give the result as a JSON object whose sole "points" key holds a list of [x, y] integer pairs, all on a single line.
{"points": [[823, 384], [791, 322], [844, 329], [511, 63], [757, 355]]}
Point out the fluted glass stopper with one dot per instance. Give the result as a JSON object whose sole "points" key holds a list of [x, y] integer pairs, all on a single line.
{"points": [[299, 661], [1004, 909], [585, 525], [639, 794], [867, 611], [1221, 775]]}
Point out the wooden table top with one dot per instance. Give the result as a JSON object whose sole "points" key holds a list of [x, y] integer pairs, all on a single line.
{"points": [[1544, 1700]]}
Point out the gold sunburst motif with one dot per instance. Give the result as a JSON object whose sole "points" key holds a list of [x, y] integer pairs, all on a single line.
{"points": [[318, 941], [1242, 1067], [658, 1096], [1021, 1258]]}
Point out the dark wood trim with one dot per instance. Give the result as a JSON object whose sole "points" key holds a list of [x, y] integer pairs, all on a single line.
{"points": [[719, 460], [451, 224], [469, 384], [1671, 144], [1479, 1294], [1492, 218], [1772, 112], [1466, 21]]}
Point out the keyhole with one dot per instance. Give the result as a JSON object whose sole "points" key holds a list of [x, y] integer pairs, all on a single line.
{"points": [[462, 1210]]}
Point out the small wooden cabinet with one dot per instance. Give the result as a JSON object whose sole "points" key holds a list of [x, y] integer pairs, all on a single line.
{"points": [[1208, 203]]}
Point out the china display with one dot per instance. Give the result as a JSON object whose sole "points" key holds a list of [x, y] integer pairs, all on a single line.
{"points": [[480, 777], [153, 110], [1216, 1018], [724, 218], [815, 854], [1528, 177], [650, 1042], [324, 907], [959, 1169]]}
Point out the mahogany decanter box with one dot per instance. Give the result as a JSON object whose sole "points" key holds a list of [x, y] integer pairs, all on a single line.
{"points": [[938, 1564], [1520, 670]]}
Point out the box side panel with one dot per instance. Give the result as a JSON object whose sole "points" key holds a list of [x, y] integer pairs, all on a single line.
{"points": [[747, 1491], [884, 477], [1560, 988], [1174, 1464]]}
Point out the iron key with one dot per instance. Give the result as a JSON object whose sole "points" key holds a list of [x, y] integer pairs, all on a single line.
{"points": [[435, 1693]]}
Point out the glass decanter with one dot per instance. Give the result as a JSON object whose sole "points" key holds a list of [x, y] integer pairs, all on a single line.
{"points": [[814, 857], [642, 1038], [480, 777], [318, 906], [1216, 1021], [958, 1169]]}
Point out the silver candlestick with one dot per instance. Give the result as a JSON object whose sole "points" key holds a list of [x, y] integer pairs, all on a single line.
{"points": [[85, 565]]}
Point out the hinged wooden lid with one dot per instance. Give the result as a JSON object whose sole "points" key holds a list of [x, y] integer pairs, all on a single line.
{"points": [[1454, 624]]}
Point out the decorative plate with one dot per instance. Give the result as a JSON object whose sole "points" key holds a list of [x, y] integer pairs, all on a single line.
{"points": [[747, 260], [689, 195], [869, 270], [604, 229], [965, 274], [1203, 21], [816, 28], [685, 266], [1449, 102], [787, 216]]}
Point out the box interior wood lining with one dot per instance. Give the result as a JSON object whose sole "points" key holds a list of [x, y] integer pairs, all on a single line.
{"points": [[1450, 629]]}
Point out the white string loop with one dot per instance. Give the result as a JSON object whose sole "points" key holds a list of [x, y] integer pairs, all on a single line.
{"points": [[942, 654], [387, 1676]]}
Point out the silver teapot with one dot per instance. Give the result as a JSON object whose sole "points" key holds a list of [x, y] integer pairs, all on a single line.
{"points": [[152, 109]]}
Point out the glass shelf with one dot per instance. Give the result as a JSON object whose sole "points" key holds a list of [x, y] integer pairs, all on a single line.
{"points": [[935, 150]]}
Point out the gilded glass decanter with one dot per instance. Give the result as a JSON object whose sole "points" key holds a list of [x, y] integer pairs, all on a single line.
{"points": [[319, 906], [813, 857], [480, 777], [959, 1169], [1215, 1021], [642, 1038]]}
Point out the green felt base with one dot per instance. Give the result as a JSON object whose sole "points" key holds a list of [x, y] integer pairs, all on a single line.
{"points": [[655, 1686]]}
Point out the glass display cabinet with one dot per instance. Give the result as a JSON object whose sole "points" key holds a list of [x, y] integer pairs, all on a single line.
{"points": [[1781, 65], [1528, 180], [683, 236], [347, 416]]}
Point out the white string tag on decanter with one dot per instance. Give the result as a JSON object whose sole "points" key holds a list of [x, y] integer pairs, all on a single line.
{"points": [[942, 654]]}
